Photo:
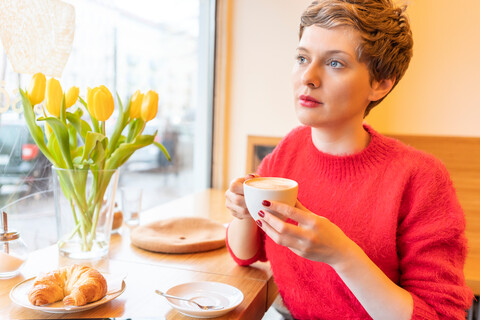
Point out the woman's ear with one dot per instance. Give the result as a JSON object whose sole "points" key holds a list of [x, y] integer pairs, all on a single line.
{"points": [[381, 88]]}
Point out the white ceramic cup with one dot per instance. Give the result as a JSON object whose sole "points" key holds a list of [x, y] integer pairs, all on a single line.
{"points": [[268, 188]]}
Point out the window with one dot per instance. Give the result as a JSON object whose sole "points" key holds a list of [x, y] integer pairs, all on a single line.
{"points": [[128, 45]]}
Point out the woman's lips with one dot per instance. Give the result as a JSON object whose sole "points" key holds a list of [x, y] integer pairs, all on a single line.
{"points": [[308, 101]]}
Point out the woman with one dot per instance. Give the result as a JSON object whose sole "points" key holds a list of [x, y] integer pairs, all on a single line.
{"points": [[377, 231]]}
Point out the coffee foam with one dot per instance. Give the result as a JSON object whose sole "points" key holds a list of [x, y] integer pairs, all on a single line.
{"points": [[270, 183]]}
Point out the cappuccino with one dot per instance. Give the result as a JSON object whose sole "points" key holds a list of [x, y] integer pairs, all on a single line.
{"points": [[268, 188], [271, 183]]}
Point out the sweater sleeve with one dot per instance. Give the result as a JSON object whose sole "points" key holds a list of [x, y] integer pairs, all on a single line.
{"points": [[260, 255], [432, 246]]}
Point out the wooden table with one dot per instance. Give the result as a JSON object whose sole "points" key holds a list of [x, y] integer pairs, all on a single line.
{"points": [[139, 299], [147, 271], [208, 204]]}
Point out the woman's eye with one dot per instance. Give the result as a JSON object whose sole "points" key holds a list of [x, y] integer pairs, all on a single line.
{"points": [[335, 64], [301, 59]]}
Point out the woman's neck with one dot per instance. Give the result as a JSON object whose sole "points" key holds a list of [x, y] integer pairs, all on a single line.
{"points": [[340, 140]]}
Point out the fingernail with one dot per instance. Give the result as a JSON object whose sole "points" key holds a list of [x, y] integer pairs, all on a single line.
{"points": [[251, 175], [261, 214], [266, 203], [259, 223]]}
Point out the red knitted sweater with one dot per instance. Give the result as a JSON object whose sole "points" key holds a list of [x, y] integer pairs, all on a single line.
{"points": [[397, 203]]}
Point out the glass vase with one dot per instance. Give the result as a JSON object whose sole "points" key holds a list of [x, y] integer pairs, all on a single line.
{"points": [[84, 202]]}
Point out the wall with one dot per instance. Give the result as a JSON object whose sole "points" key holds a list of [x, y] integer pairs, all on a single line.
{"points": [[438, 95]]}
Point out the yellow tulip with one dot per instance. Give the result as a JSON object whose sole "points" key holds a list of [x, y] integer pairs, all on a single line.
{"points": [[54, 97], [149, 105], [89, 97], [36, 89], [106, 91], [102, 103], [90, 93], [136, 105], [71, 97]]}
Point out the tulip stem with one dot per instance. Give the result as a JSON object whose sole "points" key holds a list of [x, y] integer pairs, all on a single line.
{"points": [[143, 128], [103, 127]]}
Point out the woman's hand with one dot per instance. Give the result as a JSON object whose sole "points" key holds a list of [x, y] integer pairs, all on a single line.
{"points": [[314, 238], [235, 199]]}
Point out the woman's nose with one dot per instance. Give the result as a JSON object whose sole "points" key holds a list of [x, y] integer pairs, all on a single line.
{"points": [[311, 76]]}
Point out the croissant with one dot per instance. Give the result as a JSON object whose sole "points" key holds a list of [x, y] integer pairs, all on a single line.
{"points": [[76, 285]]}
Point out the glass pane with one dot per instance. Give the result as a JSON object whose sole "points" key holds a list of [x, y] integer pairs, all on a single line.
{"points": [[128, 45]]}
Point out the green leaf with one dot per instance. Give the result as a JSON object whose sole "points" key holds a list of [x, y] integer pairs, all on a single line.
{"points": [[55, 150], [125, 150], [120, 124], [92, 139], [134, 129], [78, 152], [121, 140], [78, 112], [126, 112], [61, 132], [77, 156], [35, 131], [163, 149], [63, 110], [72, 138], [80, 125], [98, 154]]}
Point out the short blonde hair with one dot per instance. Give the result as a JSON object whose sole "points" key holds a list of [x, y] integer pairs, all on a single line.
{"points": [[386, 39]]}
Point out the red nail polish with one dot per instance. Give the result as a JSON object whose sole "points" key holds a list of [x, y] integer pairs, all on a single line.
{"points": [[266, 203], [259, 223], [261, 214]]}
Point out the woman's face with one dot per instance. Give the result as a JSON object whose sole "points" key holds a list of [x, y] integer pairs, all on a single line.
{"points": [[331, 87]]}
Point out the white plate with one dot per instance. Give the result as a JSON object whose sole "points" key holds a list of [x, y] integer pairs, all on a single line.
{"points": [[19, 295], [206, 293]]}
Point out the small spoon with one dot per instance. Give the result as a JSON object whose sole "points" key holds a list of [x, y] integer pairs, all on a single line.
{"points": [[189, 300]]}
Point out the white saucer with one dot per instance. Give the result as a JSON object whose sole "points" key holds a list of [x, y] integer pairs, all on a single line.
{"points": [[206, 293], [19, 295]]}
